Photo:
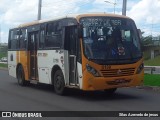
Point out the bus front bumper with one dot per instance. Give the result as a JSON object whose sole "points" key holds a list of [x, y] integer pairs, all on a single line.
{"points": [[102, 83]]}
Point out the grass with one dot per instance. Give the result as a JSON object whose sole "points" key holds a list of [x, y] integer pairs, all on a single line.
{"points": [[152, 79], [3, 54], [153, 62], [3, 65]]}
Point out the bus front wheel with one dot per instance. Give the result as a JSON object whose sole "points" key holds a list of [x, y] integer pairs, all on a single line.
{"points": [[21, 76], [59, 85]]}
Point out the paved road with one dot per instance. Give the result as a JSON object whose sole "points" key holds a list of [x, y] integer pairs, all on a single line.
{"points": [[42, 98]]}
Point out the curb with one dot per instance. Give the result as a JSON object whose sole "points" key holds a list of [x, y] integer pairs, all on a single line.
{"points": [[153, 88], [2, 68]]}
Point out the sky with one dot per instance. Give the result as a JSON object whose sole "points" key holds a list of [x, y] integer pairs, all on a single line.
{"points": [[145, 13]]}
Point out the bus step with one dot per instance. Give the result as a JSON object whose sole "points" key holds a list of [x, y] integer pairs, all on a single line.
{"points": [[72, 85], [34, 81], [33, 78]]}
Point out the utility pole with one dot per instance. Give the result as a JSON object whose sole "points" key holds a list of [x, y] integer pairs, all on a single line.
{"points": [[124, 7], [39, 9]]}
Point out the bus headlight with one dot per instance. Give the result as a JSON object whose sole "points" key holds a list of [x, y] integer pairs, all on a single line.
{"points": [[93, 71], [140, 68]]}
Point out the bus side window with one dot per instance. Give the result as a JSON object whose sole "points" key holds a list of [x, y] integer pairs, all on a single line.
{"points": [[23, 39], [41, 39], [14, 39], [53, 35], [49, 33]]}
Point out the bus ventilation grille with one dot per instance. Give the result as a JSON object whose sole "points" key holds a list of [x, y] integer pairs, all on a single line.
{"points": [[118, 72]]}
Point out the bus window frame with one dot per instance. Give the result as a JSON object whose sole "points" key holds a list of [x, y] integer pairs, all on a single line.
{"points": [[16, 32], [42, 28], [23, 38], [54, 23]]}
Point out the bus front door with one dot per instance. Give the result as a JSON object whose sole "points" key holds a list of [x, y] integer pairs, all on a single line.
{"points": [[71, 46], [32, 45]]}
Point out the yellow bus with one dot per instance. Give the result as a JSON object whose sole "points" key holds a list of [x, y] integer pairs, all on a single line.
{"points": [[85, 51]]}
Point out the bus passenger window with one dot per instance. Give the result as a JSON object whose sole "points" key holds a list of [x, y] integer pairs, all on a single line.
{"points": [[14, 38], [41, 41], [23, 39], [53, 35]]}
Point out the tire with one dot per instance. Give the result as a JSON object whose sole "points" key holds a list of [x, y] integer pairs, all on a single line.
{"points": [[59, 84], [110, 91], [21, 76]]}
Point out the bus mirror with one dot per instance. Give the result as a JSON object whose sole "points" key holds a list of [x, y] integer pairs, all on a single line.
{"points": [[80, 31], [140, 33]]}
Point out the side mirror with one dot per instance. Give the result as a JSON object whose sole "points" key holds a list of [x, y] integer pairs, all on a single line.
{"points": [[80, 31]]}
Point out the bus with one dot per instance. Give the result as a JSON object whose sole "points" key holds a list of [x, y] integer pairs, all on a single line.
{"points": [[90, 52]]}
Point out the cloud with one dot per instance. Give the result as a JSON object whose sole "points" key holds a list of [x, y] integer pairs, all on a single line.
{"points": [[145, 13], [15, 12], [3, 35], [20, 12]]}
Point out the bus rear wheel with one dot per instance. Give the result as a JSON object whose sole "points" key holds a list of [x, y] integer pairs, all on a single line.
{"points": [[59, 84], [21, 76]]}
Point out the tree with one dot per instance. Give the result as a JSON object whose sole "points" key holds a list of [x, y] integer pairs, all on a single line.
{"points": [[146, 41]]}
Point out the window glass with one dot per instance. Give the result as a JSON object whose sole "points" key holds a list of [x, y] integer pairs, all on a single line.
{"points": [[110, 39], [23, 39], [53, 35], [41, 42], [14, 39]]}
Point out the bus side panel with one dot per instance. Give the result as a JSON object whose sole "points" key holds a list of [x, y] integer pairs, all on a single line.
{"points": [[22, 58], [12, 63], [80, 79], [47, 59], [66, 67]]}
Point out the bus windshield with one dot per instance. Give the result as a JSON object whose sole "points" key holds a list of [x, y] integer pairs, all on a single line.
{"points": [[110, 39]]}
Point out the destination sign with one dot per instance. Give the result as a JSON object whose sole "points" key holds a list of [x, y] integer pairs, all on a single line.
{"points": [[102, 21]]}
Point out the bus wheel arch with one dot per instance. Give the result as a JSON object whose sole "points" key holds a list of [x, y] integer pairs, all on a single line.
{"points": [[58, 80], [20, 75]]}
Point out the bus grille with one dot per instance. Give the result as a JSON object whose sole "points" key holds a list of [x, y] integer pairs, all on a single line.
{"points": [[118, 72]]}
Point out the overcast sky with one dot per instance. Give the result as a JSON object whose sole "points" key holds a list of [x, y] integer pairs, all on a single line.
{"points": [[14, 12]]}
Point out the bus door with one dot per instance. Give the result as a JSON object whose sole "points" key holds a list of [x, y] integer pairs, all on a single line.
{"points": [[32, 45], [71, 46]]}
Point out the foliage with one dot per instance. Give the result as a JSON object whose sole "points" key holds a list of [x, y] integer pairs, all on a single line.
{"points": [[3, 51], [147, 40], [153, 62]]}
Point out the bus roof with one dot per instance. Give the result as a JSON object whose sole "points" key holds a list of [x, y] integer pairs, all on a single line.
{"points": [[70, 16]]}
